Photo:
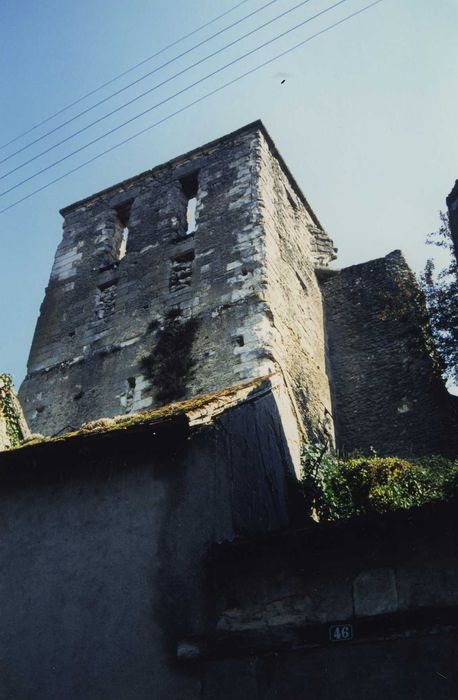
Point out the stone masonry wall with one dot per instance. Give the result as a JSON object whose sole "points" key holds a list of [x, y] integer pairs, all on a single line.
{"points": [[387, 389], [295, 245], [102, 315], [171, 312], [282, 600]]}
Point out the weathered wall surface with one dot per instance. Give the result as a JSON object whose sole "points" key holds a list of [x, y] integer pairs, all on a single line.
{"points": [[413, 669], [102, 315], [104, 540], [294, 246], [182, 312], [387, 389], [392, 578], [111, 587], [178, 310]]}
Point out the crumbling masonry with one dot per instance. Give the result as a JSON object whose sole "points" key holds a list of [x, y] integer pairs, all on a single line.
{"points": [[149, 303]]}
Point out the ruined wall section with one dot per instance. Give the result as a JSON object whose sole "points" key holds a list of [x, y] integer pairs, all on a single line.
{"points": [[387, 390], [295, 245], [105, 314]]}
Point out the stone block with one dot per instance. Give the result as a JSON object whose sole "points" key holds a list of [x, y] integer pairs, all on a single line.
{"points": [[374, 592]]}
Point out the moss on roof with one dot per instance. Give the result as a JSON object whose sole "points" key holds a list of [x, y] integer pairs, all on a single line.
{"points": [[199, 409]]}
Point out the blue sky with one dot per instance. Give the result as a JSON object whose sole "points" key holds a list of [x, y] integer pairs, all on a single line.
{"points": [[366, 119]]}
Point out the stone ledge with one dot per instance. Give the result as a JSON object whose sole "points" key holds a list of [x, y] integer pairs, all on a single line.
{"points": [[288, 638]]}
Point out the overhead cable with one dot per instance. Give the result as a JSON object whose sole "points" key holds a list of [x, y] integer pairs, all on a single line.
{"points": [[193, 103], [146, 92], [158, 104], [129, 70]]}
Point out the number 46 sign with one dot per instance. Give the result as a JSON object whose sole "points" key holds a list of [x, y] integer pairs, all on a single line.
{"points": [[340, 633]]}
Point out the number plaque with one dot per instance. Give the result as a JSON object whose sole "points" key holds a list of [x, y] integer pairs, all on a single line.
{"points": [[340, 633]]}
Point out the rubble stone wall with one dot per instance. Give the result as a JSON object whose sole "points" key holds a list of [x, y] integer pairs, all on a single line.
{"points": [[146, 306], [387, 389], [175, 312]]}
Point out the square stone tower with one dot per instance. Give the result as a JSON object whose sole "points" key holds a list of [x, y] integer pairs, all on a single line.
{"points": [[191, 277]]}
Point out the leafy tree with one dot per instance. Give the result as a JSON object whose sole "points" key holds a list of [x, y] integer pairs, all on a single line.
{"points": [[441, 294]]}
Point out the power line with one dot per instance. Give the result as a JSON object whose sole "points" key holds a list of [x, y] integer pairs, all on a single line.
{"points": [[146, 92], [134, 82], [129, 70], [158, 104], [193, 103]]}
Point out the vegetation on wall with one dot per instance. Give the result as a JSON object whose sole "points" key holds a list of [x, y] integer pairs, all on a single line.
{"points": [[337, 488], [8, 411], [170, 364], [405, 303], [441, 293]]}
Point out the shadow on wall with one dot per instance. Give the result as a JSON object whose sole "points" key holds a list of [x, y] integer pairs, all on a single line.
{"points": [[170, 365], [115, 528]]}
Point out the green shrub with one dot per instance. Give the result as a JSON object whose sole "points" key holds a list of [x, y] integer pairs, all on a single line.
{"points": [[337, 488]]}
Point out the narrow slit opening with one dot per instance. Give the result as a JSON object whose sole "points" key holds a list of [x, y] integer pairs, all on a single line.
{"points": [[190, 185], [122, 229], [191, 215], [123, 244]]}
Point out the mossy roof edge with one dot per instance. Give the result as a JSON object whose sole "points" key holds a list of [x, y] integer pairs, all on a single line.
{"points": [[215, 403]]}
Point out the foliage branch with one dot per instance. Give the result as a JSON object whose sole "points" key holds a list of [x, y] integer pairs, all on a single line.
{"points": [[441, 294], [337, 488]]}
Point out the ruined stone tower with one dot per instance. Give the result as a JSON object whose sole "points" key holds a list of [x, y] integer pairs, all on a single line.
{"points": [[151, 300], [210, 271]]}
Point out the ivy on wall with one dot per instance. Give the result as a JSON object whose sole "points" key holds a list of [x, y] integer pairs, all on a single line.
{"points": [[406, 302], [9, 412]]}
